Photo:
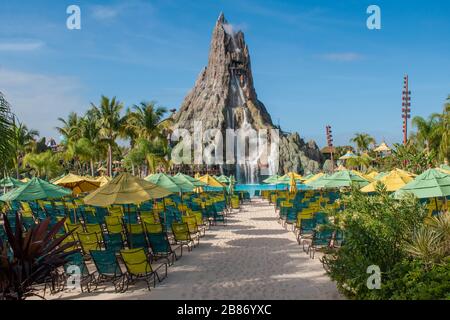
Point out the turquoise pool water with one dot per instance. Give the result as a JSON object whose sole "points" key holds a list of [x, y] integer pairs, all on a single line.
{"points": [[251, 188]]}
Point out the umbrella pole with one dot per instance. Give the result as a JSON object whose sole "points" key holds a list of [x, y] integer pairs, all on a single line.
{"points": [[129, 227], [165, 215]]}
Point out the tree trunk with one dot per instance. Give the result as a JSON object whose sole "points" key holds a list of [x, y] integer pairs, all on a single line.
{"points": [[92, 168], [109, 171], [132, 169]]}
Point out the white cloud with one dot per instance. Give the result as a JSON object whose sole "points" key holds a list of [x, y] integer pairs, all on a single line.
{"points": [[342, 56], [38, 99], [24, 45], [101, 12]]}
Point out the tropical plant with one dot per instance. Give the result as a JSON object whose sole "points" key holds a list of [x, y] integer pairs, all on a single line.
{"points": [[376, 228], [363, 141], [426, 135], [45, 164], [110, 122], [29, 258], [6, 130], [24, 141]]}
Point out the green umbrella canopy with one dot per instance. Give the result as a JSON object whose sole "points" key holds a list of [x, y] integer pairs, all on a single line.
{"points": [[164, 181], [36, 189], [183, 183], [194, 181], [318, 181], [340, 179], [430, 184], [9, 182], [272, 179], [445, 167], [223, 179]]}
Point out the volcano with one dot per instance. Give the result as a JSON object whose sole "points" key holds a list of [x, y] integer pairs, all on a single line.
{"points": [[224, 97]]}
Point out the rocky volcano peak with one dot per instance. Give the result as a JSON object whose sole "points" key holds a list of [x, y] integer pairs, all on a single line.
{"points": [[224, 97]]}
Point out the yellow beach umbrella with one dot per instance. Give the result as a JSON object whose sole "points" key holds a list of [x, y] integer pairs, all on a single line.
{"points": [[383, 147], [103, 180], [314, 178], [210, 181], [371, 175], [25, 180], [393, 181], [125, 189], [77, 184], [362, 175]]}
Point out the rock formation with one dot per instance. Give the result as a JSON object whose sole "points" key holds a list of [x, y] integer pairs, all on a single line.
{"points": [[224, 97]]}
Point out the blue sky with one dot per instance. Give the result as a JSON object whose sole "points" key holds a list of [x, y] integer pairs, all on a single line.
{"points": [[314, 62]]}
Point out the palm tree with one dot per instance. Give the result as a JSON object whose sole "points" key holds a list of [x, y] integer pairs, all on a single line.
{"points": [[443, 133], [110, 122], [6, 130], [24, 142], [46, 164], [362, 141], [147, 122], [70, 129], [426, 131], [92, 147]]}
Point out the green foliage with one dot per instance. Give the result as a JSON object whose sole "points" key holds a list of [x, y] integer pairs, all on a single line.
{"points": [[45, 164], [376, 227], [412, 280], [36, 255]]}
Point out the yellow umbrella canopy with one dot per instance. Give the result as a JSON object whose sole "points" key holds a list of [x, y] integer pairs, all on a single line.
{"points": [[314, 178], [25, 180], [77, 184], [393, 181], [292, 184], [125, 189], [210, 181], [103, 180], [372, 174], [382, 148]]}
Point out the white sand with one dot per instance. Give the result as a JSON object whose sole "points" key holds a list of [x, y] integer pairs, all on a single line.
{"points": [[253, 257]]}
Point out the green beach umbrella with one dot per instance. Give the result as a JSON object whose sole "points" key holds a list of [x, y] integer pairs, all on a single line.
{"points": [[223, 179], [272, 179], [36, 189], [341, 179], [318, 181], [164, 181], [10, 182], [430, 184], [194, 181], [184, 184], [445, 167]]}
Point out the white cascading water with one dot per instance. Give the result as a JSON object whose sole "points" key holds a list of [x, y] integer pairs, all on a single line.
{"points": [[247, 172]]}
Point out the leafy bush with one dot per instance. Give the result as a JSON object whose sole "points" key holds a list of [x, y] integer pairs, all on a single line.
{"points": [[411, 279], [376, 228]]}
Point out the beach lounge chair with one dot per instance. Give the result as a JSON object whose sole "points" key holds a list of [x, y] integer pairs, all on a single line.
{"points": [[113, 242], [161, 247], [182, 235], [86, 278], [139, 267], [319, 239], [88, 242], [136, 236], [108, 269]]}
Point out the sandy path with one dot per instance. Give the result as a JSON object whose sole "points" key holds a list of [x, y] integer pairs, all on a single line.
{"points": [[252, 257]]}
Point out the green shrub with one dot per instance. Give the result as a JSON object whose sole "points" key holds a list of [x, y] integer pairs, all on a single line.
{"points": [[376, 228]]}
